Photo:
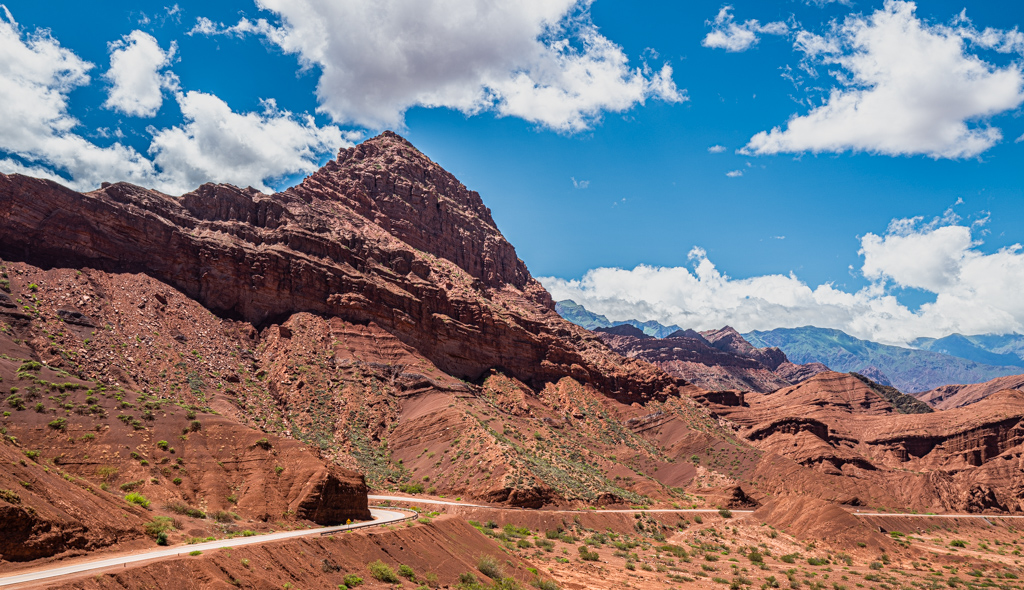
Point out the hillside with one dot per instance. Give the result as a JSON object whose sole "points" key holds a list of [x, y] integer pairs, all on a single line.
{"points": [[714, 360], [949, 397], [906, 369]]}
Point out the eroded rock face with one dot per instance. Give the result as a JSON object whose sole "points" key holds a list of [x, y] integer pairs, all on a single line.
{"points": [[337, 496], [715, 360], [380, 235]]}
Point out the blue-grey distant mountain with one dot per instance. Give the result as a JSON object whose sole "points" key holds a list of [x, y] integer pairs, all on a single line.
{"points": [[585, 318], [909, 370], [990, 349]]}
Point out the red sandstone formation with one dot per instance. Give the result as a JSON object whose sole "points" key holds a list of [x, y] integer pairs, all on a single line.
{"points": [[715, 360], [380, 235], [949, 397]]}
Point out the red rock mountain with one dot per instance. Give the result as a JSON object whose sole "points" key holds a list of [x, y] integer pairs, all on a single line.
{"points": [[949, 397], [381, 235], [715, 360], [373, 319]]}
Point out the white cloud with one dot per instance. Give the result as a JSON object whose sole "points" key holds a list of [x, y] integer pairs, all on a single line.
{"points": [[974, 292], [906, 88], [716, 149], [214, 144], [734, 173], [580, 184], [137, 83], [540, 60], [824, 3], [729, 35]]}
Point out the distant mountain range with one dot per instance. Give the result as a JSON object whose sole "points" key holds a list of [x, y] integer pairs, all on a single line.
{"points": [[989, 349], [582, 317], [932, 363], [907, 369]]}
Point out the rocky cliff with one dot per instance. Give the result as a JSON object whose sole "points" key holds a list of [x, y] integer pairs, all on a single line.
{"points": [[381, 234]]}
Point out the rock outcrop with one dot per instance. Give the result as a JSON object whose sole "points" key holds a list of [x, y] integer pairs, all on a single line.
{"points": [[380, 235], [715, 360]]}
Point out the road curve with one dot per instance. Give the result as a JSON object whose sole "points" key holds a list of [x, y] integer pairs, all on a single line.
{"points": [[602, 511], [379, 517], [414, 500]]}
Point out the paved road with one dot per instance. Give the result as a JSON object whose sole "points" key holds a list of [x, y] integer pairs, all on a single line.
{"points": [[983, 516], [379, 517], [627, 511], [414, 500]]}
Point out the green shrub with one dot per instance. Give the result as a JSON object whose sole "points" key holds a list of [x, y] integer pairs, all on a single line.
{"points": [[546, 585], [194, 553], [195, 426], [958, 543], [406, 572], [223, 516], [380, 571], [352, 580], [412, 488], [490, 567], [724, 513], [32, 455], [159, 524], [10, 497], [176, 481], [185, 510], [137, 499], [790, 558], [161, 538], [588, 555], [131, 485], [875, 565], [264, 444], [162, 444], [816, 561]]}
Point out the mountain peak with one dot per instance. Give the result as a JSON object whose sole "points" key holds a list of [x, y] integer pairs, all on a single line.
{"points": [[389, 182]]}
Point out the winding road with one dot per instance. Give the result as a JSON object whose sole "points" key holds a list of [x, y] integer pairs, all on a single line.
{"points": [[380, 517]]}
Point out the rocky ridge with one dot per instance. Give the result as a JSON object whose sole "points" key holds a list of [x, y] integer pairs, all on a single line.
{"points": [[715, 360]]}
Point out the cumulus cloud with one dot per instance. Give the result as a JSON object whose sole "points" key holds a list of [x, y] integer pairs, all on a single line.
{"points": [[905, 88], [974, 292], [729, 35], [734, 173], [213, 144], [137, 82], [716, 149], [543, 61], [216, 144]]}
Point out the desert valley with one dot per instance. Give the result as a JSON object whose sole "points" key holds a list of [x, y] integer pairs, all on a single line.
{"points": [[228, 365]]}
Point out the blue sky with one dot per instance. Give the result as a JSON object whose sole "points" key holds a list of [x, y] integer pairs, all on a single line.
{"points": [[605, 169]]}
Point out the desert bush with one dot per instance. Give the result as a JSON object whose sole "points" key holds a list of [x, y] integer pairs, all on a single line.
{"points": [[724, 513], [137, 499], [159, 524], [381, 571], [352, 580], [406, 572], [588, 555], [185, 510], [10, 497], [131, 485], [490, 567]]}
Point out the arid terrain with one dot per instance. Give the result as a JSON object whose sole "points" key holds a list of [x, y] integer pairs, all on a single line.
{"points": [[227, 363]]}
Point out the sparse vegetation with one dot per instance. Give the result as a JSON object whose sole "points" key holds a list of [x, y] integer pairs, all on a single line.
{"points": [[382, 572], [137, 499]]}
